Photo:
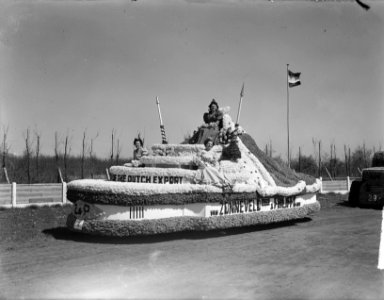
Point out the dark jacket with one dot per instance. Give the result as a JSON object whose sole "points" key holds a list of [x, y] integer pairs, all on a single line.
{"points": [[215, 117]]}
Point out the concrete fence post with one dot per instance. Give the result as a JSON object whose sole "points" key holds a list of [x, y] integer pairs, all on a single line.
{"points": [[64, 192], [13, 194], [348, 183], [321, 184]]}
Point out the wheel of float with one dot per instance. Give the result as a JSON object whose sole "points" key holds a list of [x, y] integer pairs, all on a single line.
{"points": [[353, 197]]}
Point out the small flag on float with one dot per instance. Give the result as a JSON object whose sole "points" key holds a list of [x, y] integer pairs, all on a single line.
{"points": [[293, 78]]}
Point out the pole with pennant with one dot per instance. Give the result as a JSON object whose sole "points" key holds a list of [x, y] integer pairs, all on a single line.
{"points": [[162, 129], [240, 102], [293, 79], [289, 159]]}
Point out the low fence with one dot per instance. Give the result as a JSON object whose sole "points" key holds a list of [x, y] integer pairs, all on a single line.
{"points": [[21, 195], [336, 186]]}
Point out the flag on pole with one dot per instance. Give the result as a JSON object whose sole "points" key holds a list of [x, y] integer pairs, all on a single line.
{"points": [[293, 78]]}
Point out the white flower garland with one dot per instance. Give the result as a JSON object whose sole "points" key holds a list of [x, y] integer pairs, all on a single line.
{"points": [[137, 189], [145, 189], [176, 149], [313, 188], [168, 160]]}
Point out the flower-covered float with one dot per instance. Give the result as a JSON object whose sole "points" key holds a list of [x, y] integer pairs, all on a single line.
{"points": [[187, 187]]}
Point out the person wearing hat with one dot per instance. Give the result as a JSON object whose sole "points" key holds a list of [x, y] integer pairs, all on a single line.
{"points": [[214, 115]]}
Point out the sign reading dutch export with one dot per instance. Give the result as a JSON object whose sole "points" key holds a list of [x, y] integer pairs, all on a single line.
{"points": [[149, 179]]}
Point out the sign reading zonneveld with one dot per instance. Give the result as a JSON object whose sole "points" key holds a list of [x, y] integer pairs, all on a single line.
{"points": [[88, 211]]}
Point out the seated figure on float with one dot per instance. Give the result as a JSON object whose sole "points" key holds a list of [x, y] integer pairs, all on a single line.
{"points": [[213, 123], [208, 166], [138, 153]]}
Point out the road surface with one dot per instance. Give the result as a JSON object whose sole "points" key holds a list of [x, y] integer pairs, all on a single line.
{"points": [[332, 255]]}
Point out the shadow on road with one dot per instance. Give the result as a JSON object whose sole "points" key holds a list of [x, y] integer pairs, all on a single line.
{"points": [[63, 233]]}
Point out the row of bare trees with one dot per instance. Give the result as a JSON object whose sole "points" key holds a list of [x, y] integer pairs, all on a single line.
{"points": [[31, 167], [328, 164]]}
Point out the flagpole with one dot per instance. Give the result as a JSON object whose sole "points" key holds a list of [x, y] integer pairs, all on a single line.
{"points": [[289, 159]]}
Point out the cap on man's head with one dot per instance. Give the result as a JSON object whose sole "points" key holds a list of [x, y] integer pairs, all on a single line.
{"points": [[213, 102]]}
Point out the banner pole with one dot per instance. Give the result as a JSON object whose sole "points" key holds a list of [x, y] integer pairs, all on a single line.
{"points": [[288, 156], [162, 129], [239, 109]]}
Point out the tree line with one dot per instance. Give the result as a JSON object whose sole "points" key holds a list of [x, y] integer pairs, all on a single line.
{"points": [[33, 167], [326, 163]]}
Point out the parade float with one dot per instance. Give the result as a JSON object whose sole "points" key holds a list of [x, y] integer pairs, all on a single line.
{"points": [[188, 187]]}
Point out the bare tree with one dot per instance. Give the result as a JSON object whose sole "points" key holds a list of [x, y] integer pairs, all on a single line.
{"points": [[28, 154], [349, 161], [57, 155], [83, 154], [317, 152], [37, 153], [57, 158], [346, 160], [112, 144], [67, 150], [319, 158], [270, 148], [118, 151], [5, 147], [330, 160], [91, 154], [4, 152], [299, 159], [333, 160]]}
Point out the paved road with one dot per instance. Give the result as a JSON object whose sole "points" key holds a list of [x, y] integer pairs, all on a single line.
{"points": [[333, 255]]}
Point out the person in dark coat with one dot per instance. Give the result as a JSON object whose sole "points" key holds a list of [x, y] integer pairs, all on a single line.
{"points": [[214, 115]]}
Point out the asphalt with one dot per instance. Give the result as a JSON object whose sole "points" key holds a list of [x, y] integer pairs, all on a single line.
{"points": [[331, 255]]}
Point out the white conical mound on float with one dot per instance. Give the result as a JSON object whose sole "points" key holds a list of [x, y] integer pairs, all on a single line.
{"points": [[174, 190]]}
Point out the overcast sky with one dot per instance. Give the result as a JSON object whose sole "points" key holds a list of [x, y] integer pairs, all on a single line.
{"points": [[71, 66]]}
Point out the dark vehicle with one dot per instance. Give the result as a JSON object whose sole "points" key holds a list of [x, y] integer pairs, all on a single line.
{"points": [[369, 190]]}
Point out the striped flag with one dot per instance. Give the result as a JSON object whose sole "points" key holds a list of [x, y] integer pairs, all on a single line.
{"points": [[163, 136], [293, 79]]}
